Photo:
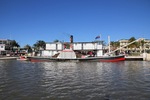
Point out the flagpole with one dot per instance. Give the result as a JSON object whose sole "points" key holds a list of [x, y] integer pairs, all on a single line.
{"points": [[100, 37]]}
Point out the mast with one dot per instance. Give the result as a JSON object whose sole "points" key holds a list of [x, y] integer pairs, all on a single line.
{"points": [[71, 42], [109, 44], [144, 45]]}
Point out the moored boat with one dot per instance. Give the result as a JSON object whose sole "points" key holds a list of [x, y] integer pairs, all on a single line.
{"points": [[69, 55], [98, 59], [76, 52]]}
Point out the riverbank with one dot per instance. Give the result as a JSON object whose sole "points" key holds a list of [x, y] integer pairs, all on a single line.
{"points": [[8, 58]]}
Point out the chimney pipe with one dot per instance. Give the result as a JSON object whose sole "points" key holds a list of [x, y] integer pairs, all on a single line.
{"points": [[71, 38]]}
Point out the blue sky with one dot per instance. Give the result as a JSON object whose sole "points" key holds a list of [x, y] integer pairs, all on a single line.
{"points": [[28, 21]]}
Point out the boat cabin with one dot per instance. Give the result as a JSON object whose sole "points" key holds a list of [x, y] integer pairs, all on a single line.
{"points": [[85, 48]]}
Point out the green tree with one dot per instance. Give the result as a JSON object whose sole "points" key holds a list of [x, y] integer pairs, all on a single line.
{"points": [[142, 42], [13, 43], [28, 47], [40, 44], [133, 45], [115, 44], [56, 40]]}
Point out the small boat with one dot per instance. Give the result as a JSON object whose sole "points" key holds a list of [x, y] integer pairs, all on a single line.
{"points": [[24, 58]]}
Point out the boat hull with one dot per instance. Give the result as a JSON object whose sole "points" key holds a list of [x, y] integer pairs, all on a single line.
{"points": [[98, 59], [105, 59], [113, 59]]}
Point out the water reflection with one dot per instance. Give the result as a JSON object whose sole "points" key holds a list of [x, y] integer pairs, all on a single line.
{"points": [[74, 80]]}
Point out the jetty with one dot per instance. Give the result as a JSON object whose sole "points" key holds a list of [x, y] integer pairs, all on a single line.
{"points": [[143, 57], [134, 58]]}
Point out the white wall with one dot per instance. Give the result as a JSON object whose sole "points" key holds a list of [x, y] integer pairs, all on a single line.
{"points": [[99, 46], [59, 46], [2, 47], [49, 53], [99, 53], [89, 46], [77, 46], [54, 46], [50, 46]]}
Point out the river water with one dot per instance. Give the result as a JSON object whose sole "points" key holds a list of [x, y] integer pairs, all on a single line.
{"points": [[23, 80]]}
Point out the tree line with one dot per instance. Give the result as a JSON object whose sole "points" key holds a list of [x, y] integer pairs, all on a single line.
{"points": [[41, 45]]}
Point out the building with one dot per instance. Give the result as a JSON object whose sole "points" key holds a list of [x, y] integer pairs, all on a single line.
{"points": [[123, 42], [53, 48], [4, 46], [139, 48], [147, 43]]}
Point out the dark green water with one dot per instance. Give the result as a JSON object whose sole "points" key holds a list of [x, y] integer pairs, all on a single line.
{"points": [[22, 80]]}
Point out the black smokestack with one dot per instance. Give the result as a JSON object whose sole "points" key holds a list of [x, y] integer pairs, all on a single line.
{"points": [[71, 38]]}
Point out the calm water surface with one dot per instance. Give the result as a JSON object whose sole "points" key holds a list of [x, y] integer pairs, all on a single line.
{"points": [[22, 80]]}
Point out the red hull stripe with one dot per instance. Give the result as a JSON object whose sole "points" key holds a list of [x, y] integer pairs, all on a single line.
{"points": [[112, 60]]}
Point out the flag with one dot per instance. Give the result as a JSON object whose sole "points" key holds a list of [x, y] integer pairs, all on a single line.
{"points": [[97, 37]]}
